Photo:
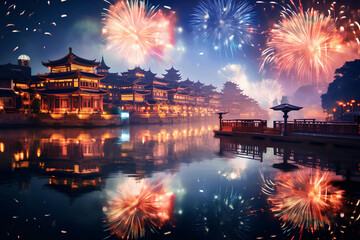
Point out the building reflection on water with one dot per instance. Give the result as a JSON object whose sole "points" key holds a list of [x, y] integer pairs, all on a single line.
{"points": [[307, 192], [75, 161], [344, 162], [241, 189]]}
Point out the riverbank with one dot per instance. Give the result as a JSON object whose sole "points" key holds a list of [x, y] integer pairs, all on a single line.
{"points": [[155, 118], [20, 120]]}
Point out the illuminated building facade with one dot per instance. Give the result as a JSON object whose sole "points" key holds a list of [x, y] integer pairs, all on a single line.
{"points": [[14, 85], [138, 90], [72, 86]]}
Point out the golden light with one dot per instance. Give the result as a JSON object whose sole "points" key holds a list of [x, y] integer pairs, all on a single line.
{"points": [[38, 152], [83, 116]]}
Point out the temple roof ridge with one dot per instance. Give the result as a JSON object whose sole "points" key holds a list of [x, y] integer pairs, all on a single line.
{"points": [[71, 58], [103, 64]]}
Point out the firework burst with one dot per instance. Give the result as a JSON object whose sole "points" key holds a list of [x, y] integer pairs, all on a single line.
{"points": [[138, 32], [224, 24], [139, 208], [304, 200], [304, 44]]}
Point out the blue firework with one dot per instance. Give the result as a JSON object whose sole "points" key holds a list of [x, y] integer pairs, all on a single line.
{"points": [[226, 25]]}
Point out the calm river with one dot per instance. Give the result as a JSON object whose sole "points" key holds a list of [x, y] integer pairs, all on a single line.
{"points": [[173, 182]]}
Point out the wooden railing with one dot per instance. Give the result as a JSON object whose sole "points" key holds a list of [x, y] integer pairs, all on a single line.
{"points": [[244, 125], [318, 127], [296, 126]]}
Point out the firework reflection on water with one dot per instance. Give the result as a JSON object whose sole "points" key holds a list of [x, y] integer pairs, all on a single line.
{"points": [[139, 208], [305, 200]]}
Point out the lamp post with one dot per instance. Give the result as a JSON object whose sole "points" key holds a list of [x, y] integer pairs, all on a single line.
{"points": [[220, 118], [286, 108], [286, 116]]}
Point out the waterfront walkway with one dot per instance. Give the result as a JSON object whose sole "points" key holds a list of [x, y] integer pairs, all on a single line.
{"points": [[313, 132]]}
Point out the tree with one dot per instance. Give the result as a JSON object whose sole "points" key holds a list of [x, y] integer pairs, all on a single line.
{"points": [[345, 87]]}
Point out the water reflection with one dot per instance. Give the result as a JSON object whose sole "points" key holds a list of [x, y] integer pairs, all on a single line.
{"points": [[342, 161], [139, 208], [304, 199], [109, 183], [226, 215], [75, 160], [307, 194]]}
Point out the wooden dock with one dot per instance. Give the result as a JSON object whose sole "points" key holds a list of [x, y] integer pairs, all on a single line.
{"points": [[313, 132]]}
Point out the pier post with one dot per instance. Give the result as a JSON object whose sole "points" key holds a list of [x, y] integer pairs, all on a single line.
{"points": [[286, 116], [220, 118]]}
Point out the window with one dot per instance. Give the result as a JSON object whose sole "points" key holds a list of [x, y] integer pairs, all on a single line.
{"points": [[64, 103], [127, 97]]}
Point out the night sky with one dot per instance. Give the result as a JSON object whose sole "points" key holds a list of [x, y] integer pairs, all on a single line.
{"points": [[81, 29]]}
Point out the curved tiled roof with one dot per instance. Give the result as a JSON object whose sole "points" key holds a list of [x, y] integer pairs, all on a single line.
{"points": [[143, 92], [7, 93], [63, 75], [58, 91], [141, 83], [125, 91], [103, 65], [151, 101], [183, 93], [94, 91], [91, 75], [71, 58], [161, 87]]}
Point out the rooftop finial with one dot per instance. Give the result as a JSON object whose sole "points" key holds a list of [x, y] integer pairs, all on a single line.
{"points": [[70, 49]]}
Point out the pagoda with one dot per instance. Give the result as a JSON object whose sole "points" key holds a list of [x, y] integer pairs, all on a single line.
{"points": [[172, 75], [102, 68], [72, 86]]}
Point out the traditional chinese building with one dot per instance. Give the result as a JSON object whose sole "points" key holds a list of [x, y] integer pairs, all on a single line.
{"points": [[14, 85], [72, 86], [172, 75]]}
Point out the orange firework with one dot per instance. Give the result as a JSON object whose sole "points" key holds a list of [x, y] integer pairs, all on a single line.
{"points": [[138, 32], [304, 44], [139, 207], [306, 199]]}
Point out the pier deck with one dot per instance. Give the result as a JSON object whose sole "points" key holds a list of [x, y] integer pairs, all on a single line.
{"points": [[310, 132]]}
